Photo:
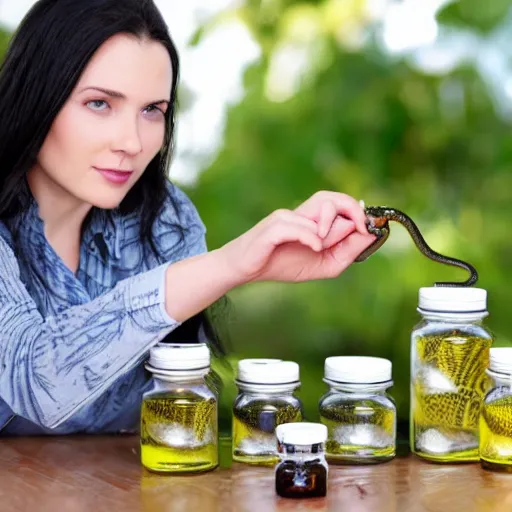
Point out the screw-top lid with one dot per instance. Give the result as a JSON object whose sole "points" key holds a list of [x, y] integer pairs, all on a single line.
{"points": [[357, 369], [267, 371], [179, 356], [301, 433], [452, 300], [501, 360]]}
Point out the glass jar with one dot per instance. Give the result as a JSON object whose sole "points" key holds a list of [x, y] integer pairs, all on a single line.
{"points": [[265, 400], [449, 356], [179, 428], [496, 413], [359, 415], [302, 471]]}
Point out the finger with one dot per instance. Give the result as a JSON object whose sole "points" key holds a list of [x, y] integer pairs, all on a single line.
{"points": [[345, 205], [328, 214], [350, 248], [284, 215], [351, 209], [340, 229], [286, 232]]}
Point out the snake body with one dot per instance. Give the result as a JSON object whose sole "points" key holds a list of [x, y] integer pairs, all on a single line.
{"points": [[378, 218], [461, 359]]}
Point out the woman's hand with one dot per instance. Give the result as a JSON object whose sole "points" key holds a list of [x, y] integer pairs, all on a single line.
{"points": [[317, 240]]}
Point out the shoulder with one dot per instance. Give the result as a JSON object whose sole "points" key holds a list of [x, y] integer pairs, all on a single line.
{"points": [[178, 208], [179, 229], [7, 250], [6, 239]]}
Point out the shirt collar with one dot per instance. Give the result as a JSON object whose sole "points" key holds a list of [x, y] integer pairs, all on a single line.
{"points": [[104, 228]]}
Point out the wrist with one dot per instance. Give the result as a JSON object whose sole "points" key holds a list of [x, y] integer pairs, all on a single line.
{"points": [[227, 273]]}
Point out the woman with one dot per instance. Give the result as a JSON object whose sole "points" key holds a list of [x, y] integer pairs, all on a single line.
{"points": [[101, 257]]}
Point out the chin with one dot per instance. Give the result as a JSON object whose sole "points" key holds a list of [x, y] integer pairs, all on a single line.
{"points": [[108, 201]]}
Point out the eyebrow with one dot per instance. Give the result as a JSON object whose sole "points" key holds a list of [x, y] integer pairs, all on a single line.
{"points": [[116, 94]]}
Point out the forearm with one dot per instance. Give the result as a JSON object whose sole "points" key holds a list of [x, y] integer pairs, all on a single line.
{"points": [[195, 283], [51, 367]]}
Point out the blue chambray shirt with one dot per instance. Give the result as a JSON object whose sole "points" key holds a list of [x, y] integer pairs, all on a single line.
{"points": [[72, 346]]}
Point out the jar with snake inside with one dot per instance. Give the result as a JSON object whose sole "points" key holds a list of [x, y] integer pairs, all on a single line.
{"points": [[358, 412], [449, 357], [496, 413], [179, 431], [266, 399]]}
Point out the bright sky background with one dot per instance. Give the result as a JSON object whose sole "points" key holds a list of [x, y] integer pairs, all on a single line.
{"points": [[408, 28]]}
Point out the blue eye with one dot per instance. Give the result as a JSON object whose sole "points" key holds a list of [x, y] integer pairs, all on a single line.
{"points": [[97, 105], [153, 110]]}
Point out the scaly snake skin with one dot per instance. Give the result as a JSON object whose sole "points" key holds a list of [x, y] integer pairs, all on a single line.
{"points": [[462, 359], [378, 218], [498, 416]]}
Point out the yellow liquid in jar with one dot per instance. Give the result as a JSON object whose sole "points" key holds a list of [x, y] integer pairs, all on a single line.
{"points": [[359, 432], [179, 434], [446, 396], [496, 434], [254, 440]]}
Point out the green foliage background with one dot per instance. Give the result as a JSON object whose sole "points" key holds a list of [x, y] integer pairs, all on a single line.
{"points": [[379, 128], [375, 126]]}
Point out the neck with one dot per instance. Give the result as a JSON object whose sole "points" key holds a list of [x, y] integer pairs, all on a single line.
{"points": [[62, 215]]}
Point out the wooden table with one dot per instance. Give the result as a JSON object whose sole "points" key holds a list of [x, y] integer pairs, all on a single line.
{"points": [[94, 474]]}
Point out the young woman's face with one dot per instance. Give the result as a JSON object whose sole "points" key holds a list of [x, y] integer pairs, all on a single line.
{"points": [[111, 126]]}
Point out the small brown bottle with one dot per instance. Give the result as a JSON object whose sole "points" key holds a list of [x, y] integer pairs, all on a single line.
{"points": [[303, 470]]}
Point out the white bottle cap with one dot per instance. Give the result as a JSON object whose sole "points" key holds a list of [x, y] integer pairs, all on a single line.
{"points": [[301, 433], [501, 360], [357, 369], [444, 299], [267, 371], [179, 356]]}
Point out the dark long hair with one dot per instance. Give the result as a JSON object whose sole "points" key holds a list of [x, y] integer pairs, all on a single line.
{"points": [[43, 64]]}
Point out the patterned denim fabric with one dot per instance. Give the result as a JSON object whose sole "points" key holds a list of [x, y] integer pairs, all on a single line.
{"points": [[72, 345]]}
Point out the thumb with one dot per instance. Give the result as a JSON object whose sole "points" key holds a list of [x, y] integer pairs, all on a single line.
{"points": [[351, 247]]}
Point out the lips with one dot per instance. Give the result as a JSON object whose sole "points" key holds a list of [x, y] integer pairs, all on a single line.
{"points": [[116, 176]]}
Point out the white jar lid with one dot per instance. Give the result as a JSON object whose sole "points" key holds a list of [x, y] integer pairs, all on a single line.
{"points": [[453, 300], [267, 371], [179, 356], [357, 369], [302, 433], [500, 360]]}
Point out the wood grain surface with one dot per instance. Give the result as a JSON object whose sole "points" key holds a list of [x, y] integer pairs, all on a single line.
{"points": [[94, 474]]}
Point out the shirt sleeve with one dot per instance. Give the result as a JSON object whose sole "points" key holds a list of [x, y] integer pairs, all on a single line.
{"points": [[50, 367]]}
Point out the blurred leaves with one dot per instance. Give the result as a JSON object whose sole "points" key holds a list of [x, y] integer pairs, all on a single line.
{"points": [[5, 37], [361, 122], [474, 14]]}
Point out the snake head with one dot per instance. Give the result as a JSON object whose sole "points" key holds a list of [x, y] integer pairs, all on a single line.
{"points": [[377, 219]]}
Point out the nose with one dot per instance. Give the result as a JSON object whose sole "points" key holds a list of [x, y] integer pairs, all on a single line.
{"points": [[127, 137]]}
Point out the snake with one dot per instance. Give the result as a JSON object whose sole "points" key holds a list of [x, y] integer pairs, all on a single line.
{"points": [[497, 412], [462, 359], [377, 221]]}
